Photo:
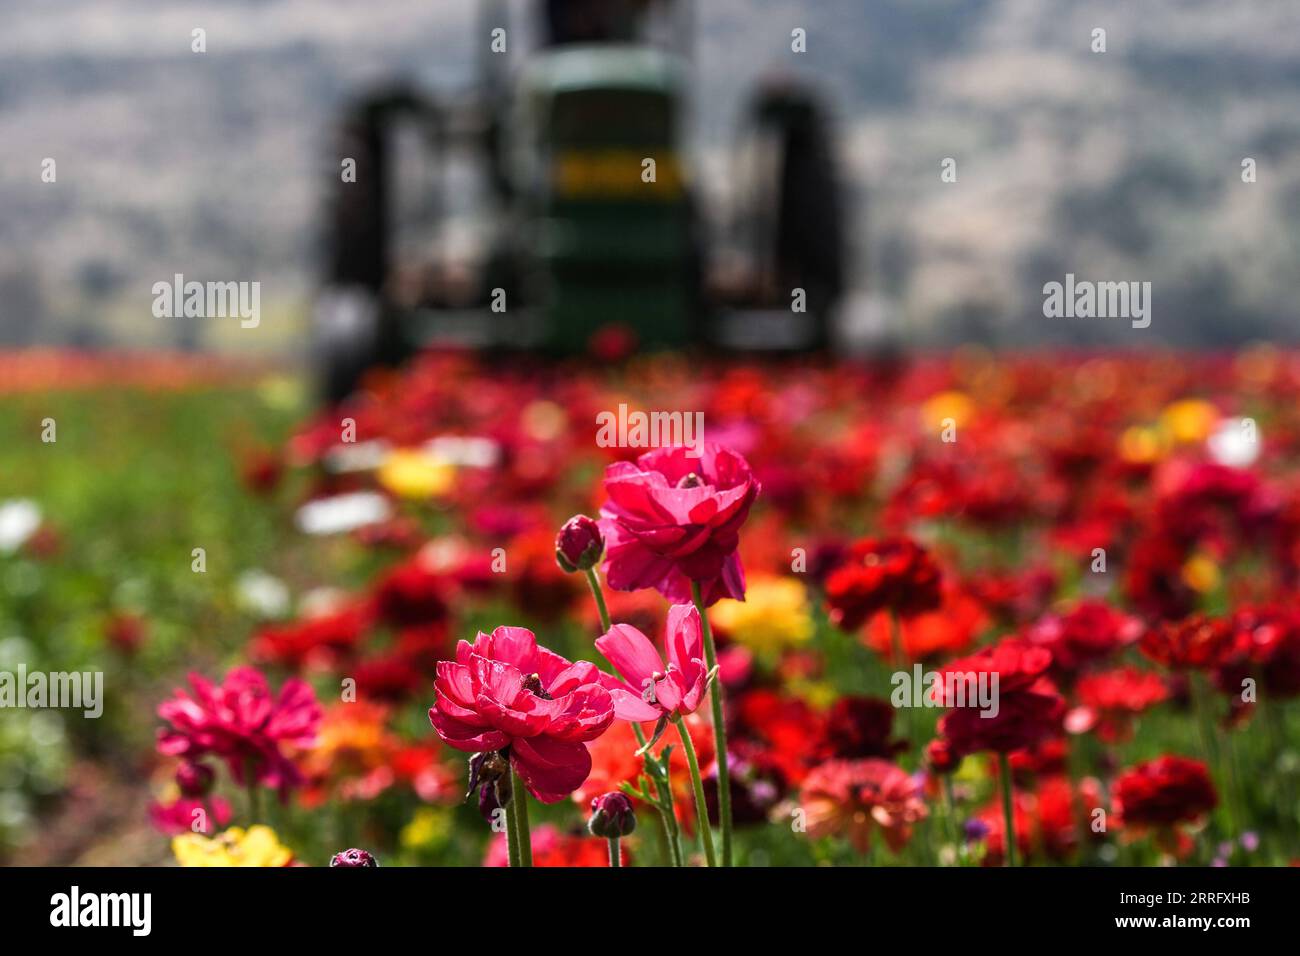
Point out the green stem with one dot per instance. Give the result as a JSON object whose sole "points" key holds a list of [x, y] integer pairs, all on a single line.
{"points": [[254, 803], [719, 728], [594, 583], [519, 807], [701, 806], [512, 835], [663, 800], [1203, 705], [1281, 765], [900, 661], [950, 814], [614, 860], [1008, 813]]}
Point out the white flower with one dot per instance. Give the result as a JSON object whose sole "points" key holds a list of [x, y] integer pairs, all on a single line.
{"points": [[19, 519], [1235, 443], [262, 594], [465, 452], [359, 456], [343, 513]]}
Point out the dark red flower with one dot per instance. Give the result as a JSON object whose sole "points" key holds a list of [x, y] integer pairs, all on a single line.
{"points": [[1025, 705], [194, 779], [410, 594], [883, 574], [1266, 647], [1163, 792], [1194, 643], [126, 632], [860, 727]]}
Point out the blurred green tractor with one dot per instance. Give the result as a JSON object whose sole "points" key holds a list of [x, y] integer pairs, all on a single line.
{"points": [[552, 209]]}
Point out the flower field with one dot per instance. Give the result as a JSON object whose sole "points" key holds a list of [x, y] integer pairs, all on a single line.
{"points": [[963, 610]]}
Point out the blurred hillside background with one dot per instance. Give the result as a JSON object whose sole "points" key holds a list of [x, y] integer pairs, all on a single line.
{"points": [[1123, 166]]}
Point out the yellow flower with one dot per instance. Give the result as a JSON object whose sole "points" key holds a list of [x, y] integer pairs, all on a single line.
{"points": [[1140, 445], [416, 473], [938, 408], [256, 846], [773, 616], [1189, 420], [428, 828], [1201, 574]]}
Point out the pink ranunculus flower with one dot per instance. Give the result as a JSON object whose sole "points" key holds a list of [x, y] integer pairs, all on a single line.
{"points": [[243, 724], [654, 691], [672, 519], [504, 693]]}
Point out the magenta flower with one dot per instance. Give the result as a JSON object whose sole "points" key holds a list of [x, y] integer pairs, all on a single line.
{"points": [[243, 724], [672, 519], [653, 691], [504, 693]]}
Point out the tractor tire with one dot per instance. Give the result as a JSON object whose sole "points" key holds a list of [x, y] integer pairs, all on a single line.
{"points": [[806, 247]]}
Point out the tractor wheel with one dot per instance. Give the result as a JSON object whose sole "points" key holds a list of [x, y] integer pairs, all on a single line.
{"points": [[796, 206], [352, 328]]}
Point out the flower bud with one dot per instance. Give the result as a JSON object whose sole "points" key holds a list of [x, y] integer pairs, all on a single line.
{"points": [[579, 544], [939, 755], [612, 816], [353, 859], [194, 779]]}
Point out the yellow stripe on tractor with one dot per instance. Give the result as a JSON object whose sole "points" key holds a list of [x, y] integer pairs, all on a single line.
{"points": [[617, 173]]}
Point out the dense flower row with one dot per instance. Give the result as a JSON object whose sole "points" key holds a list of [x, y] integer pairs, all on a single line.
{"points": [[1099, 541]]}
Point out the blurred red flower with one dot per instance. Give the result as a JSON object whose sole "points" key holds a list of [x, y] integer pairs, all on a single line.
{"points": [[553, 848], [1089, 632], [1194, 643], [851, 798], [1109, 700], [1026, 708], [1159, 794], [882, 574]]}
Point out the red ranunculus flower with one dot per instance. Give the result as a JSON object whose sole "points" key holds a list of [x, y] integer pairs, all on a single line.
{"points": [[1109, 700], [860, 727], [672, 520], [1194, 643], [879, 574], [240, 722], [1089, 632], [1027, 706], [1159, 794], [411, 593], [504, 693], [849, 798], [653, 690]]}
